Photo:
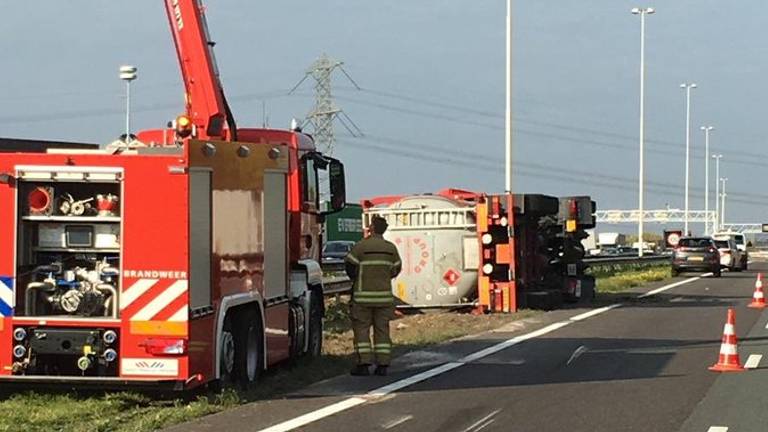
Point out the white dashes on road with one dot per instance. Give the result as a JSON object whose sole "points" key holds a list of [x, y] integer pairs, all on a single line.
{"points": [[753, 361], [718, 429]]}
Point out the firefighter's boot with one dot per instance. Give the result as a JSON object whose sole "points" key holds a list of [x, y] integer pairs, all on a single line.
{"points": [[361, 370]]}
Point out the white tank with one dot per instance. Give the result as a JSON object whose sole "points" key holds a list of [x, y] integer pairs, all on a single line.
{"points": [[437, 241]]}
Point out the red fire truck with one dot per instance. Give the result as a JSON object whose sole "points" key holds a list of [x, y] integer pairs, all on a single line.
{"points": [[174, 258]]}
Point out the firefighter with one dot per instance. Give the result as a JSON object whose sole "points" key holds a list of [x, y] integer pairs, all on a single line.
{"points": [[371, 264]]}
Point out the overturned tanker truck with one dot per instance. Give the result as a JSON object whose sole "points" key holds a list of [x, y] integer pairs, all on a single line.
{"points": [[459, 249]]}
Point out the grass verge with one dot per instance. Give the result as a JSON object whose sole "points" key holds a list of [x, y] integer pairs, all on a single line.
{"points": [[619, 281], [136, 412]]}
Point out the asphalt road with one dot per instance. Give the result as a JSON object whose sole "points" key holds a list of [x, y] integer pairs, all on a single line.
{"points": [[639, 366]]}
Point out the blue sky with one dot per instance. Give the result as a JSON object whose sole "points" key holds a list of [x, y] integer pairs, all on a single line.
{"points": [[432, 74]]}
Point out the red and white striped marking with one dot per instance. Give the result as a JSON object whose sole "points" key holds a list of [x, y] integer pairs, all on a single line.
{"points": [[155, 300]]}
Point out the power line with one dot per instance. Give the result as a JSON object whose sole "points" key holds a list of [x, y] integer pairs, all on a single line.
{"points": [[411, 150]]}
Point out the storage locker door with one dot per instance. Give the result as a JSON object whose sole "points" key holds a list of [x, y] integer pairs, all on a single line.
{"points": [[275, 234]]}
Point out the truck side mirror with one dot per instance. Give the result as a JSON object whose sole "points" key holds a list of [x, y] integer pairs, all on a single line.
{"points": [[338, 198]]}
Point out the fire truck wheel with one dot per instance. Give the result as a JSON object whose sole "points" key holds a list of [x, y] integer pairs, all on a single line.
{"points": [[248, 338], [315, 323]]}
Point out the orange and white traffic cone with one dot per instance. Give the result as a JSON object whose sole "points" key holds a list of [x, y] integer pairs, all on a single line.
{"points": [[758, 298], [728, 361]]}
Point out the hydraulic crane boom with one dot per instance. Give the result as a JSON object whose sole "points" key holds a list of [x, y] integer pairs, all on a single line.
{"points": [[206, 104]]}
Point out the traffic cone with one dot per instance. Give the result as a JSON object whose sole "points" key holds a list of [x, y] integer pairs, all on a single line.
{"points": [[758, 298], [728, 361]]}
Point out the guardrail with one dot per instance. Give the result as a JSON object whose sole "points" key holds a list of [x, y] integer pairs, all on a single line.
{"points": [[627, 259], [337, 283]]}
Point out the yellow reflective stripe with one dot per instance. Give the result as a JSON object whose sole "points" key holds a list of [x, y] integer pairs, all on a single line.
{"points": [[363, 344], [351, 258], [383, 345], [364, 350], [374, 300], [376, 262]]}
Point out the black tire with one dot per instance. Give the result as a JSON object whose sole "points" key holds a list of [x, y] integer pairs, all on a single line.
{"points": [[315, 322], [249, 348], [226, 356]]}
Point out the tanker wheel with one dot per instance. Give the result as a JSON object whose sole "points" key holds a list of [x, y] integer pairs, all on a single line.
{"points": [[249, 348], [315, 322]]}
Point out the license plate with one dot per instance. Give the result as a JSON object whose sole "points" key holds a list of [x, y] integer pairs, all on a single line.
{"points": [[694, 258]]}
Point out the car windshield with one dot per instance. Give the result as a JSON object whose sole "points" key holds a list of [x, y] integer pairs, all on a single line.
{"points": [[695, 242], [722, 244], [739, 240], [335, 247]]}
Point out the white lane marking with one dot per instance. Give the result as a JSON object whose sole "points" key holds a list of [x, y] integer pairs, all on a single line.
{"points": [[670, 286], [677, 299], [316, 415], [397, 385], [594, 312], [479, 424], [482, 426], [576, 354], [766, 325], [753, 361], [718, 429], [511, 342], [397, 422]]}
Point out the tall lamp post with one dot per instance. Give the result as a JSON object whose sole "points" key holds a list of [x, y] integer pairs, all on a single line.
{"points": [[688, 87], [717, 158], [707, 130], [508, 111], [722, 204], [642, 12], [128, 73]]}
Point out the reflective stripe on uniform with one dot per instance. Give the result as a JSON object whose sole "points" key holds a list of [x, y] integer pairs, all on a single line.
{"points": [[376, 262], [352, 258], [374, 293], [361, 265], [382, 348], [375, 301], [363, 347]]}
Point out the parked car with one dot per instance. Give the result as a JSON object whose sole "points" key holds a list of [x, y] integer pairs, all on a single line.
{"points": [[741, 244], [730, 255], [335, 251], [696, 253]]}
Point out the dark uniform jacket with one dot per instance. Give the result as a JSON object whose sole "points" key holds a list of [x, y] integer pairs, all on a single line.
{"points": [[371, 265]]}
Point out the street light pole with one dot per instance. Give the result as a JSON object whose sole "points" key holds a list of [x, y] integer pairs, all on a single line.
{"points": [[641, 178], [722, 205], [707, 130], [687, 87], [128, 73], [717, 157], [508, 126]]}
